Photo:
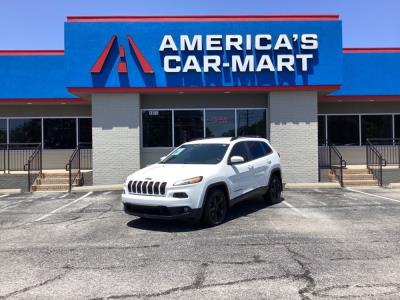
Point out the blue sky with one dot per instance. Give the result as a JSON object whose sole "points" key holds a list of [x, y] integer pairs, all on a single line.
{"points": [[38, 24]]}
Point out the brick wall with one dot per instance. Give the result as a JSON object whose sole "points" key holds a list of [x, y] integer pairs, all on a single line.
{"points": [[294, 134], [116, 137]]}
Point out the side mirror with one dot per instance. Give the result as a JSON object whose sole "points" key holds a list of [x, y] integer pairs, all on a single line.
{"points": [[236, 160], [162, 158]]}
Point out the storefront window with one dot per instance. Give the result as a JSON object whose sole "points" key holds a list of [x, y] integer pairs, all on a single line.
{"points": [[376, 126], [25, 130], [344, 130], [188, 125], [251, 122], [220, 123], [59, 133], [397, 127], [321, 130], [3, 131], [157, 128], [85, 130]]}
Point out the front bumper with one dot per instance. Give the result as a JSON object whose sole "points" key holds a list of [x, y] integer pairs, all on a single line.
{"points": [[162, 212]]}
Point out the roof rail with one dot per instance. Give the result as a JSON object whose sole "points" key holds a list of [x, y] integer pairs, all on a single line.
{"points": [[245, 136]]}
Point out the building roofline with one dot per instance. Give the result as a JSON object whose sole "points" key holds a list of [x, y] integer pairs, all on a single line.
{"points": [[31, 52], [203, 18], [372, 50]]}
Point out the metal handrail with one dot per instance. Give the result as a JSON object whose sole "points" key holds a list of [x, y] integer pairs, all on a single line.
{"points": [[34, 164], [15, 155], [75, 157], [342, 163], [375, 161], [388, 148], [329, 157]]}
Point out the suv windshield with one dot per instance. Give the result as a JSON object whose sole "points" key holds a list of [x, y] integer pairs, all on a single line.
{"points": [[207, 154]]}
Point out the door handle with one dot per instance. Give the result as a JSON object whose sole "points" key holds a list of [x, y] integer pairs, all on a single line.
{"points": [[250, 167]]}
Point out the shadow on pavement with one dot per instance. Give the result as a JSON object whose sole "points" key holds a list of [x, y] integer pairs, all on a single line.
{"points": [[239, 210]]}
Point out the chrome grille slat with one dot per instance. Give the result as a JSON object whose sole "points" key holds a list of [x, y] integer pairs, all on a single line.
{"points": [[144, 187], [147, 187]]}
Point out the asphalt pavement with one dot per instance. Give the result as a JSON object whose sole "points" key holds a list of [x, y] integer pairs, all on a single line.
{"points": [[315, 244]]}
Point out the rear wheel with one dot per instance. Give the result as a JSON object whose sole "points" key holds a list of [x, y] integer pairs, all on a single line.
{"points": [[215, 208], [274, 192]]}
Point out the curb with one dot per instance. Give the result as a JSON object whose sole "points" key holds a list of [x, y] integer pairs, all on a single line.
{"points": [[394, 185], [98, 188], [11, 191], [312, 185]]}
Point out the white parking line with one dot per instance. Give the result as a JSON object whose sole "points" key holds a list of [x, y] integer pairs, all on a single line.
{"points": [[295, 209], [64, 206], [373, 195], [3, 196], [63, 196], [14, 204]]}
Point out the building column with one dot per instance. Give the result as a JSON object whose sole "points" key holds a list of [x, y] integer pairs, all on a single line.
{"points": [[294, 133], [116, 137]]}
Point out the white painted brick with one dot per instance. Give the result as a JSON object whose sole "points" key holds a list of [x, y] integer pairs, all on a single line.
{"points": [[116, 137], [294, 133]]}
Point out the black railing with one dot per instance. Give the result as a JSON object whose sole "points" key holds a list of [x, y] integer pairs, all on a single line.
{"points": [[3, 158], [34, 166], [81, 159], [329, 157], [389, 149], [375, 161], [14, 156], [337, 163]]}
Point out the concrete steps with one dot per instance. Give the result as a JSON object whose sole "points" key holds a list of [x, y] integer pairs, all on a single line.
{"points": [[358, 177], [54, 182]]}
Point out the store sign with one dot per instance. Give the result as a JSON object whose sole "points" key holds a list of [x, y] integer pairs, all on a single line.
{"points": [[239, 53]]}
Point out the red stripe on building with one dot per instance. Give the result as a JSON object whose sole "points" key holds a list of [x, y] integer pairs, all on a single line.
{"points": [[216, 18], [43, 100], [202, 89], [142, 60], [371, 50], [31, 52], [98, 66]]}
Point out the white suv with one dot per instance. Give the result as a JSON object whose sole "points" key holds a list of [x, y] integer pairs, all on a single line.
{"points": [[201, 179]]}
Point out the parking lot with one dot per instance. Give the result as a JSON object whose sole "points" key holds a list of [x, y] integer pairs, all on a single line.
{"points": [[316, 244]]}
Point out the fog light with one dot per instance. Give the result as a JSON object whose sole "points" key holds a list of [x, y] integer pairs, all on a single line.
{"points": [[180, 195]]}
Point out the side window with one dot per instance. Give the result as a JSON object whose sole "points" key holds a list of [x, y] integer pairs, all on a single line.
{"points": [[240, 150], [267, 148], [256, 149]]}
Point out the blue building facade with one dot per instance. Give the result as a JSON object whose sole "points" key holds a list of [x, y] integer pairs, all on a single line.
{"points": [[140, 86]]}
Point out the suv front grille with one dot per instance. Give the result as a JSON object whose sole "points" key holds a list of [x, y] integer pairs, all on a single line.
{"points": [[147, 187]]}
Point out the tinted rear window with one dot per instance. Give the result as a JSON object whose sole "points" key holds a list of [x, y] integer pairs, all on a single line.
{"points": [[256, 149]]}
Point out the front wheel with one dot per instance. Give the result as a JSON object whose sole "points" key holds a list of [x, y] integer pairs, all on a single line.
{"points": [[274, 192], [215, 208]]}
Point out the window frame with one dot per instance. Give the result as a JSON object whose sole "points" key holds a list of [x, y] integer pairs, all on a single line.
{"points": [[42, 128], [359, 124], [6, 120], [235, 109]]}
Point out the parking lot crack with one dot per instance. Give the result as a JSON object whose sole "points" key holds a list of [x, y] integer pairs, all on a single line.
{"points": [[305, 276], [28, 288]]}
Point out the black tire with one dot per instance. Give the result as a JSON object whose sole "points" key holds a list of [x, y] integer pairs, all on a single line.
{"points": [[273, 194], [215, 208]]}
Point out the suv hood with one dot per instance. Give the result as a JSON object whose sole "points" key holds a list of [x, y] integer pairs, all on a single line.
{"points": [[172, 172]]}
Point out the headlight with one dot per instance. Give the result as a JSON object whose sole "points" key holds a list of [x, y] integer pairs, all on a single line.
{"points": [[189, 181]]}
